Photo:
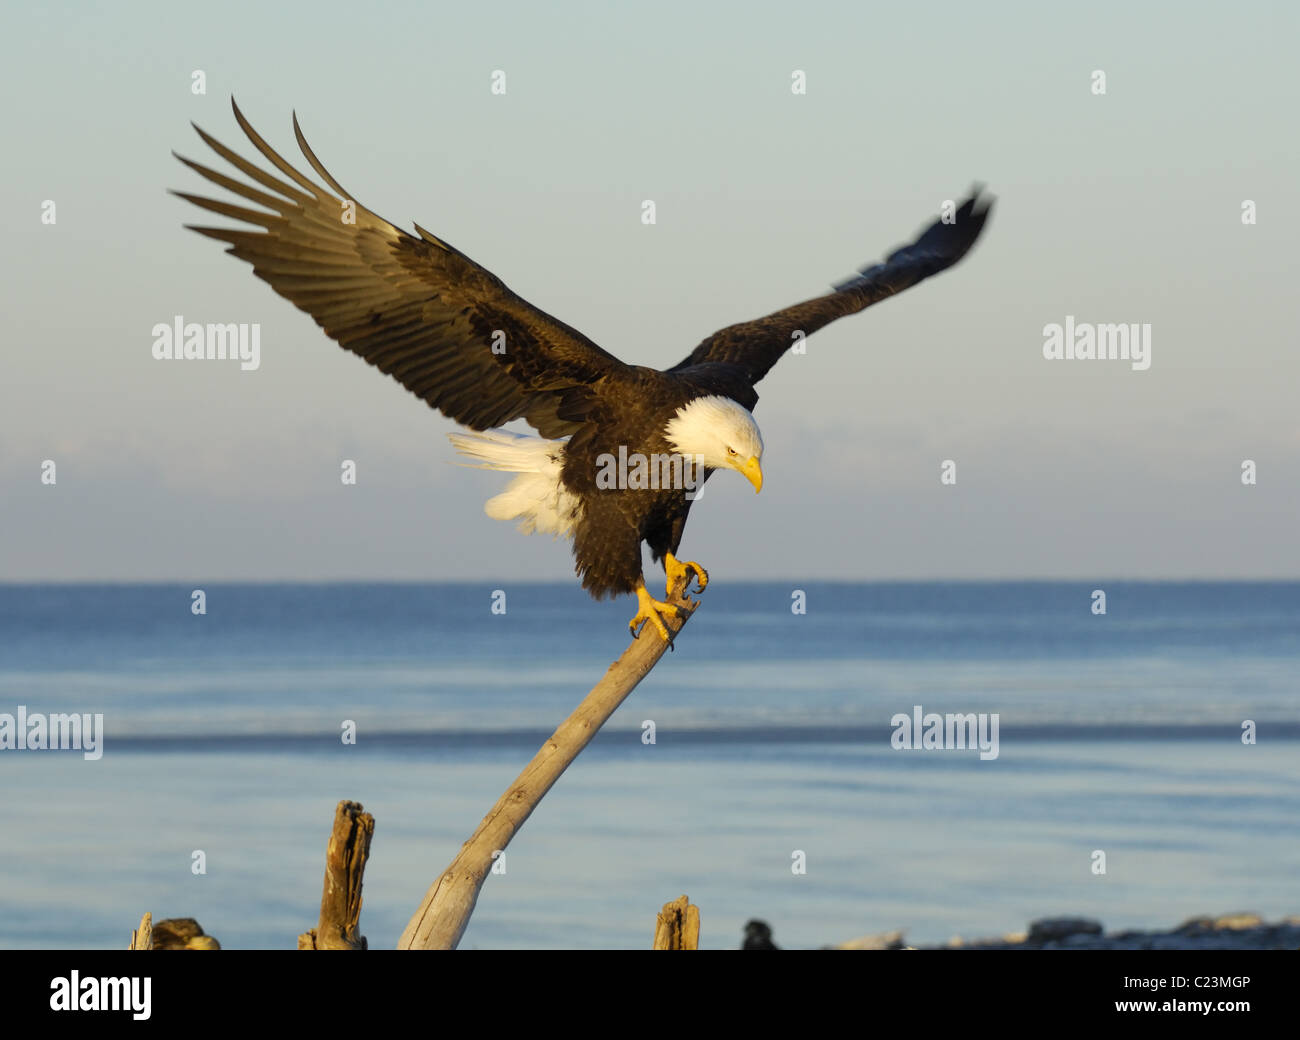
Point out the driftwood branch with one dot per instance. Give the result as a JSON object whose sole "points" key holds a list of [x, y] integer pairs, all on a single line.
{"points": [[447, 906], [345, 863], [142, 937], [678, 926]]}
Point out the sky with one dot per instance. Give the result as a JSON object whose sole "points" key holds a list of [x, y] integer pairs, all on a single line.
{"points": [[1119, 207]]}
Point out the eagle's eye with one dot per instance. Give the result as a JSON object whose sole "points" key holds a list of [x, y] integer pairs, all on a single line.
{"points": [[731, 451]]}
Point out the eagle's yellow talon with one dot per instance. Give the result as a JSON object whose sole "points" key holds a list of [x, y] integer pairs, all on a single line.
{"points": [[652, 610], [676, 569]]}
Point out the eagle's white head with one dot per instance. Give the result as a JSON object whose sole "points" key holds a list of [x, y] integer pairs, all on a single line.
{"points": [[722, 432]]}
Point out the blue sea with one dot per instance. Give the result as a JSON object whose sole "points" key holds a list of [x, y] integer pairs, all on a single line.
{"points": [[1119, 733]]}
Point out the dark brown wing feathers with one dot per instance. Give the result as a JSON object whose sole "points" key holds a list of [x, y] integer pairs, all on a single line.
{"points": [[416, 308], [757, 345]]}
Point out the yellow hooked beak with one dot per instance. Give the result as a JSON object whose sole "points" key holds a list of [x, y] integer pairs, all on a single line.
{"points": [[753, 473]]}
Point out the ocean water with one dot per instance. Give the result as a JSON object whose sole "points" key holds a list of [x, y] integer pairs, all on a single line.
{"points": [[1119, 733]]}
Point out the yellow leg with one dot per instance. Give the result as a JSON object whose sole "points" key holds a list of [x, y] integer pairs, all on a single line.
{"points": [[650, 609], [676, 569]]}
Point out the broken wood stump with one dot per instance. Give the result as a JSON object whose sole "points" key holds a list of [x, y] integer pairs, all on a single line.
{"points": [[345, 863], [678, 926]]}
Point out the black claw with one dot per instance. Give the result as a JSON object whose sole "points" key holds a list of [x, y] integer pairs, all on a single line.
{"points": [[701, 578]]}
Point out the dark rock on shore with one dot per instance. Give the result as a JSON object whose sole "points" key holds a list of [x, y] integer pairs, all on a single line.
{"points": [[758, 936]]}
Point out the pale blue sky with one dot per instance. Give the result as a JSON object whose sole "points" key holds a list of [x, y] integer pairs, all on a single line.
{"points": [[1120, 208]]}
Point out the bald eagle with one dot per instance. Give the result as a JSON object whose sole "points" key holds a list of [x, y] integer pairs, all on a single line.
{"points": [[623, 449]]}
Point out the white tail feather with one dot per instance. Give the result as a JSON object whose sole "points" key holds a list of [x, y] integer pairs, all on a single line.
{"points": [[537, 498]]}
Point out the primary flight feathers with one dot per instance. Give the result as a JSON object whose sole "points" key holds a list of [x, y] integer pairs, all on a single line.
{"points": [[414, 307]]}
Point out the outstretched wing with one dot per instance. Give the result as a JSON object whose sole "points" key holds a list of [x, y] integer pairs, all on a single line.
{"points": [[415, 308], [757, 345]]}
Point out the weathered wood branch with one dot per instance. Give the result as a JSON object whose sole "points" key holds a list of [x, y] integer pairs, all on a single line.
{"points": [[345, 863], [678, 926], [142, 937], [450, 900]]}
